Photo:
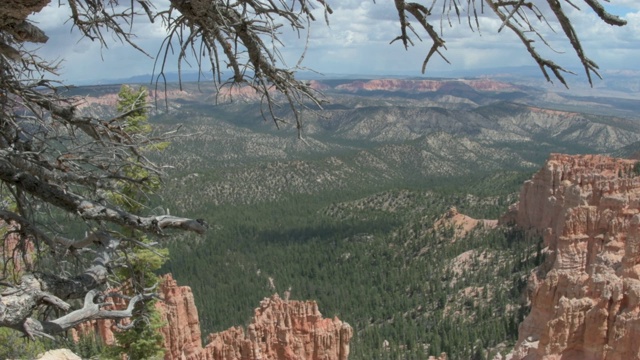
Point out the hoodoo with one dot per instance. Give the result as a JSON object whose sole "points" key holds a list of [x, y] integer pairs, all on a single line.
{"points": [[585, 297]]}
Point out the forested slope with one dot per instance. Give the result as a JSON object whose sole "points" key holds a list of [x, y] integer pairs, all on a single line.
{"points": [[347, 216]]}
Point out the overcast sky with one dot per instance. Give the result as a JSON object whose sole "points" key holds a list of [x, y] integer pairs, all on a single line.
{"points": [[357, 42]]}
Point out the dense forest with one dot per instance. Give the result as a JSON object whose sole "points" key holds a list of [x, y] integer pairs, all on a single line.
{"points": [[374, 261], [357, 236]]}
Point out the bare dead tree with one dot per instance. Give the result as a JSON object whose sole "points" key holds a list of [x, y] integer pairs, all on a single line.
{"points": [[58, 166], [525, 18], [243, 36]]}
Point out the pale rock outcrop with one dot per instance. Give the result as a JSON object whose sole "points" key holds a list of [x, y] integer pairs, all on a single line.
{"points": [[461, 223], [585, 298], [442, 356], [59, 354], [283, 330]]}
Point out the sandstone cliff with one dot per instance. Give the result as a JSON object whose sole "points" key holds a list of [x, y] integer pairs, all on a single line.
{"points": [[178, 311], [585, 298], [281, 329], [182, 333], [284, 330]]}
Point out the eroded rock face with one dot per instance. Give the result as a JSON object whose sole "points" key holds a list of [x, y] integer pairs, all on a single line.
{"points": [[461, 224], [283, 330], [182, 333], [585, 298], [182, 337]]}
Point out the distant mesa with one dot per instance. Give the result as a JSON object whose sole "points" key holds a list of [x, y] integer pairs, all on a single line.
{"points": [[106, 95], [401, 85]]}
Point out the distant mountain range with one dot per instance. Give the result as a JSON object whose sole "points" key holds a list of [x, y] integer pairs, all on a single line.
{"points": [[372, 130], [614, 80]]}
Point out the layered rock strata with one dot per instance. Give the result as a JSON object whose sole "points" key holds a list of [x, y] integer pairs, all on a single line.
{"points": [[181, 334], [585, 298]]}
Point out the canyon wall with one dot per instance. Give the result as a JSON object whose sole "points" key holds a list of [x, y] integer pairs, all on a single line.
{"points": [[585, 297]]}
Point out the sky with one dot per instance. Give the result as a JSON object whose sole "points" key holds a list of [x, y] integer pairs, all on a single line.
{"points": [[356, 41]]}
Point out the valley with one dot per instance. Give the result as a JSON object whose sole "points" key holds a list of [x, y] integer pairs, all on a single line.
{"points": [[358, 214]]}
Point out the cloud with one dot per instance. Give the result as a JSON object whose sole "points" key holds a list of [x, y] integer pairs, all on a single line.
{"points": [[357, 41]]}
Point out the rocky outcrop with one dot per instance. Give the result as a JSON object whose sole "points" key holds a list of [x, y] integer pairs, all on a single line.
{"points": [[182, 337], [461, 224], [59, 354], [585, 298], [283, 330]]}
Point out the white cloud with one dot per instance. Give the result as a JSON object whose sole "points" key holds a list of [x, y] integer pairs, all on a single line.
{"points": [[357, 41]]}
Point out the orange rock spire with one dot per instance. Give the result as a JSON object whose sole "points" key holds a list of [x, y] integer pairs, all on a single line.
{"points": [[283, 330], [585, 298], [280, 330]]}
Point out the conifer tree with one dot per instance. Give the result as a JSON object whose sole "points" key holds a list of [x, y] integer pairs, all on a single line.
{"points": [[142, 340]]}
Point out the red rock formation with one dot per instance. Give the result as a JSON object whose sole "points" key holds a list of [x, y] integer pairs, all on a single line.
{"points": [[283, 330], [585, 298], [182, 332]]}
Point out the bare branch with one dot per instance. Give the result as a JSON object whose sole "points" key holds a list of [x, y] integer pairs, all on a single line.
{"points": [[604, 15], [92, 311], [91, 210], [240, 30]]}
